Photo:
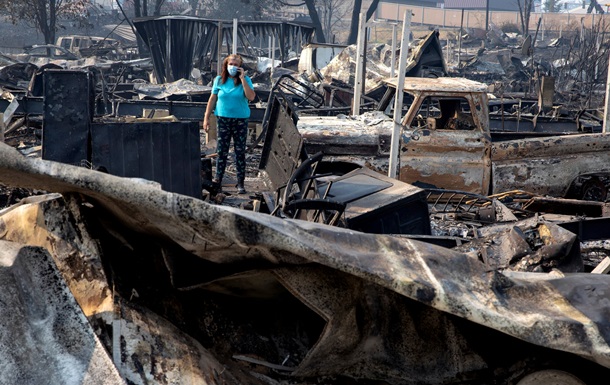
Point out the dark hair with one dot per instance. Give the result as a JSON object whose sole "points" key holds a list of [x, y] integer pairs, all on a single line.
{"points": [[225, 72]]}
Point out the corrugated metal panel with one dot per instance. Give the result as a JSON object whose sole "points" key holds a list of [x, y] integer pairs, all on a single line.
{"points": [[175, 42], [123, 31], [164, 152]]}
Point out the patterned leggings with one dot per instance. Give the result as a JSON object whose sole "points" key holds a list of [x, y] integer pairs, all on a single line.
{"points": [[238, 130]]}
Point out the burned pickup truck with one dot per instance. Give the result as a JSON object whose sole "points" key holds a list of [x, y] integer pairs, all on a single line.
{"points": [[446, 142]]}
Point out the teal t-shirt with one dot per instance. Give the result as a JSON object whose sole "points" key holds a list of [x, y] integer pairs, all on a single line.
{"points": [[232, 102]]}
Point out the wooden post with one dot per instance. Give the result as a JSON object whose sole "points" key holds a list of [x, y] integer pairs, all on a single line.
{"points": [[398, 98], [603, 267]]}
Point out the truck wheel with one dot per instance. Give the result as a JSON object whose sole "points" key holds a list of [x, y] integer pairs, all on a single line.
{"points": [[550, 377], [594, 190]]}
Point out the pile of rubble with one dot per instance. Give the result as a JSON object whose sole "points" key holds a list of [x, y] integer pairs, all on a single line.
{"points": [[120, 266]]}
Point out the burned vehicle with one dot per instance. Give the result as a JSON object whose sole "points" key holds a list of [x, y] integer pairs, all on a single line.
{"points": [[446, 142]]}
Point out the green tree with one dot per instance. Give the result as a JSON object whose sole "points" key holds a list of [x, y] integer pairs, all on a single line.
{"points": [[44, 14]]}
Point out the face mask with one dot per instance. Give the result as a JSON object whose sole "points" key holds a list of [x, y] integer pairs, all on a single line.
{"points": [[232, 70]]}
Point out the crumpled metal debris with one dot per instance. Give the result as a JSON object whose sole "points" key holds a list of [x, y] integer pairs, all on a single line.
{"points": [[426, 59], [527, 246], [414, 282], [162, 91]]}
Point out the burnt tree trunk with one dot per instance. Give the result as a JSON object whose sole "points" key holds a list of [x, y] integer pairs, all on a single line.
{"points": [[315, 19], [353, 30]]}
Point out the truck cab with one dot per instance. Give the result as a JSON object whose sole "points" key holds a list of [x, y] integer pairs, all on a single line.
{"points": [[87, 45], [445, 140]]}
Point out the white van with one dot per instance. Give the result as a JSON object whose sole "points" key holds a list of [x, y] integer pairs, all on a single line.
{"points": [[80, 45]]}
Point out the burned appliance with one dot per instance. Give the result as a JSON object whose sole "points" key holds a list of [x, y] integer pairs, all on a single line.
{"points": [[337, 194], [375, 203]]}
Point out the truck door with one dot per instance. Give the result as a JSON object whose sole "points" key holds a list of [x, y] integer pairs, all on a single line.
{"points": [[445, 144]]}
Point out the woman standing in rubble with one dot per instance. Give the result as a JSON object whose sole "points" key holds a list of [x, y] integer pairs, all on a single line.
{"points": [[229, 101]]}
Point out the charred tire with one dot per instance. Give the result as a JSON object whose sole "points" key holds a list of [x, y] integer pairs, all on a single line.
{"points": [[550, 377], [594, 190]]}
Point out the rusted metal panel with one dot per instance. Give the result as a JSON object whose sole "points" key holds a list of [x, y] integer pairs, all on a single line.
{"points": [[444, 157], [367, 134], [333, 137], [548, 166], [540, 126], [552, 146], [575, 207]]}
